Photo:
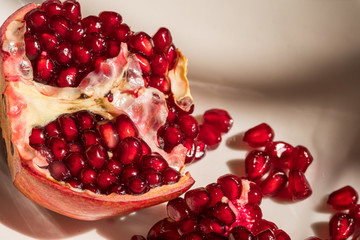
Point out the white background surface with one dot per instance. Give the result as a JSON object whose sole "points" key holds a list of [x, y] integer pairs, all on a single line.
{"points": [[294, 65]]}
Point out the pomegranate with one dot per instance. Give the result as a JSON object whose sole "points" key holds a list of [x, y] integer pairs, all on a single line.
{"points": [[227, 209], [96, 117]]}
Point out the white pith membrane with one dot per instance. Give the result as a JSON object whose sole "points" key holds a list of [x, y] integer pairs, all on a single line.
{"points": [[32, 104]]}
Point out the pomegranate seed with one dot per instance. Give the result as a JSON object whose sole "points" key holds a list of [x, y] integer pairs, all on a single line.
{"points": [[33, 48], [223, 212], [281, 235], [209, 135], [52, 7], [262, 225], [255, 194], [108, 134], [125, 127], [187, 226], [189, 126], [53, 129], [68, 127], [218, 118], [92, 188], [44, 69], [298, 185], [170, 176], [95, 42], [90, 137], [200, 150], [259, 135], [59, 25], [145, 147], [76, 33], [172, 113], [58, 147], [240, 232], [209, 225], [173, 135], [36, 20], [162, 39], [137, 185], [85, 120], [113, 49], [72, 10], [64, 53], [81, 55], [96, 155], [177, 209], [105, 179], [67, 77], [75, 147], [266, 235], [341, 226], [48, 41], [118, 189], [129, 171], [215, 192], [129, 150], [300, 158], [109, 20], [153, 177], [74, 182], [144, 63], [160, 82], [343, 198], [59, 171], [257, 163], [141, 42], [88, 176], [280, 153], [75, 162], [91, 24], [122, 33], [171, 56], [197, 199], [45, 152], [37, 136], [163, 229], [154, 161], [191, 148], [254, 211], [231, 186], [159, 65], [137, 237], [115, 167], [274, 183], [355, 213]]}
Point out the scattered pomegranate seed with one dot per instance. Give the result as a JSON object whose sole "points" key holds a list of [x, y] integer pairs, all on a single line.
{"points": [[209, 135], [259, 135], [257, 163], [274, 183], [300, 159], [298, 185], [343, 198], [218, 118], [341, 226]]}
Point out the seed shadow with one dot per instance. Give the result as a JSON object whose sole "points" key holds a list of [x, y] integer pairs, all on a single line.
{"points": [[321, 229], [323, 207], [235, 142], [283, 197], [236, 166]]}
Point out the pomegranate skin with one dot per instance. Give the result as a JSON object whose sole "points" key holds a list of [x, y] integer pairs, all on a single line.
{"points": [[39, 187]]}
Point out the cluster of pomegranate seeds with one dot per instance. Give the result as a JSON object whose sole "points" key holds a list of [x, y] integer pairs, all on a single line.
{"points": [[276, 164], [63, 47], [183, 128], [227, 209], [345, 223], [89, 152]]}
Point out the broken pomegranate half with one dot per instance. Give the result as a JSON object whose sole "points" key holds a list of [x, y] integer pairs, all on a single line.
{"points": [[83, 104]]}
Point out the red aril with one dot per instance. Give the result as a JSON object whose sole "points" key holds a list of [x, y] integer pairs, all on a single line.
{"points": [[343, 198], [259, 135], [218, 118], [257, 163], [299, 188], [341, 226], [300, 159]]}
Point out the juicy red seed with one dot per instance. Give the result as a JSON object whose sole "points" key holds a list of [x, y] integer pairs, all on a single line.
{"points": [[223, 212], [92, 188], [113, 48], [215, 236], [137, 237], [85, 120], [343, 198], [125, 127], [188, 225], [129, 171], [189, 126], [279, 152], [63, 53], [274, 183], [37, 136], [259, 135], [254, 195], [266, 235], [159, 65], [109, 20], [177, 209], [137, 185], [173, 135], [262, 225], [95, 42], [68, 127], [90, 137], [281, 235], [52, 7], [72, 10], [88, 176], [91, 24], [36, 20], [171, 56], [341, 226], [105, 179], [254, 211], [81, 55], [231, 186], [200, 150], [197, 199], [33, 48], [145, 147], [160, 82], [162, 39], [76, 33], [154, 161], [129, 150], [48, 41], [67, 77], [75, 162], [45, 152], [53, 129], [215, 192], [240, 232], [122, 33], [355, 213], [209, 135], [144, 63], [115, 167], [96, 155], [170, 176], [163, 229], [141, 42], [108, 134], [75, 147], [59, 25], [298, 186], [172, 113], [300, 158], [44, 69], [58, 147], [58, 170], [191, 149], [218, 118], [153, 177], [209, 225], [257, 163], [74, 182], [118, 189]]}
